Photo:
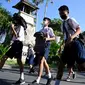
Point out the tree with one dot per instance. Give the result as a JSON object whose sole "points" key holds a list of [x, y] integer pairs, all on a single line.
{"points": [[56, 25], [5, 20], [83, 33], [46, 6], [53, 56], [37, 2], [8, 0]]}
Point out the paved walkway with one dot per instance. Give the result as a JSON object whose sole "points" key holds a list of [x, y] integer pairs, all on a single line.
{"points": [[9, 76]]}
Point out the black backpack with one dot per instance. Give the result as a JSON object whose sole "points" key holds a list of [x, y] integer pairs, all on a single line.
{"points": [[40, 43]]}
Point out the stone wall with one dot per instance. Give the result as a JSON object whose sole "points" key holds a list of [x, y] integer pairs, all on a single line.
{"points": [[29, 38]]}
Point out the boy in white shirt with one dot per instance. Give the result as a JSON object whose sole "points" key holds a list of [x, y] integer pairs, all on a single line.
{"points": [[71, 30], [48, 31]]}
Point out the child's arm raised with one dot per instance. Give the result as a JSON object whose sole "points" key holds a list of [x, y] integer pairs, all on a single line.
{"points": [[13, 30]]}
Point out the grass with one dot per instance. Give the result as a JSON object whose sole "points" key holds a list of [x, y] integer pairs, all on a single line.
{"points": [[11, 62]]}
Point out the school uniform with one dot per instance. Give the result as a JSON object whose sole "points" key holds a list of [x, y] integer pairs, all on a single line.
{"points": [[49, 34], [75, 49], [17, 45], [30, 56]]}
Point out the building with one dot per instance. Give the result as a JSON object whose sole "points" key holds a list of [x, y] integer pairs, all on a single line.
{"points": [[26, 10]]}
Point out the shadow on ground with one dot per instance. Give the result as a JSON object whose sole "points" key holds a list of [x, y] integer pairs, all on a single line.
{"points": [[74, 82], [6, 82], [10, 82], [16, 71]]}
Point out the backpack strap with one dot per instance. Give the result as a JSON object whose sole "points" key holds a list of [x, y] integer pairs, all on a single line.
{"points": [[81, 37], [70, 25]]}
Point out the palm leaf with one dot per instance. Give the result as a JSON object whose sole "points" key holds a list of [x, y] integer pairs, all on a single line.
{"points": [[37, 2], [8, 0]]}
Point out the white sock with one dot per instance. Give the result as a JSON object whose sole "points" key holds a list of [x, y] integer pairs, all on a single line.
{"points": [[73, 72], [49, 75], [38, 80], [22, 76], [57, 82]]}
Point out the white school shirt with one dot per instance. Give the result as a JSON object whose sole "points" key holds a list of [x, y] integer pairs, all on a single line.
{"points": [[73, 23], [20, 32], [49, 32]]}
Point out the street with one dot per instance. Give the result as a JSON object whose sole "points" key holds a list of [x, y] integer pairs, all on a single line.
{"points": [[9, 76]]}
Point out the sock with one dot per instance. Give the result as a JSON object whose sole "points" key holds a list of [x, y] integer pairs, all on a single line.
{"points": [[22, 76], [31, 66], [38, 80], [73, 72], [57, 82], [49, 75]]}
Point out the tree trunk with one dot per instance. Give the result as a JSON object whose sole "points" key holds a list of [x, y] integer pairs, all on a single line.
{"points": [[46, 6]]}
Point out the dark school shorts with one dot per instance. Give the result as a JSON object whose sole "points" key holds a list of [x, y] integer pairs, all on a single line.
{"points": [[69, 55], [45, 53], [73, 53], [15, 50]]}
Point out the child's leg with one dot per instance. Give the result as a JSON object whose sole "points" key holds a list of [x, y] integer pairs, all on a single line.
{"points": [[31, 69], [41, 64], [59, 73], [70, 70], [2, 61], [40, 69], [21, 79], [31, 62], [47, 69], [48, 72], [71, 73], [19, 61], [47, 50]]}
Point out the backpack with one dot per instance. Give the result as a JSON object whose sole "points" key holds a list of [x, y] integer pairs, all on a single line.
{"points": [[40, 43]]}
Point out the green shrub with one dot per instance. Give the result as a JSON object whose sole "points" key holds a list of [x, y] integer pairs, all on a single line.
{"points": [[3, 50], [53, 55]]}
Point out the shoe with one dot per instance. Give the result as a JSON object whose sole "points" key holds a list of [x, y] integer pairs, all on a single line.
{"points": [[20, 82], [68, 79], [49, 81], [74, 76], [35, 82], [31, 70]]}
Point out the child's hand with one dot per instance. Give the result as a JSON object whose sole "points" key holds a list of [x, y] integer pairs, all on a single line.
{"points": [[70, 39], [12, 26], [47, 39]]}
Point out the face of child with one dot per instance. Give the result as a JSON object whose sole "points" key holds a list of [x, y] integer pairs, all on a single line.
{"points": [[63, 14], [46, 22]]}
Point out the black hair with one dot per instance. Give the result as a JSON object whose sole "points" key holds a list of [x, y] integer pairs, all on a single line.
{"points": [[19, 20], [64, 8], [47, 19]]}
